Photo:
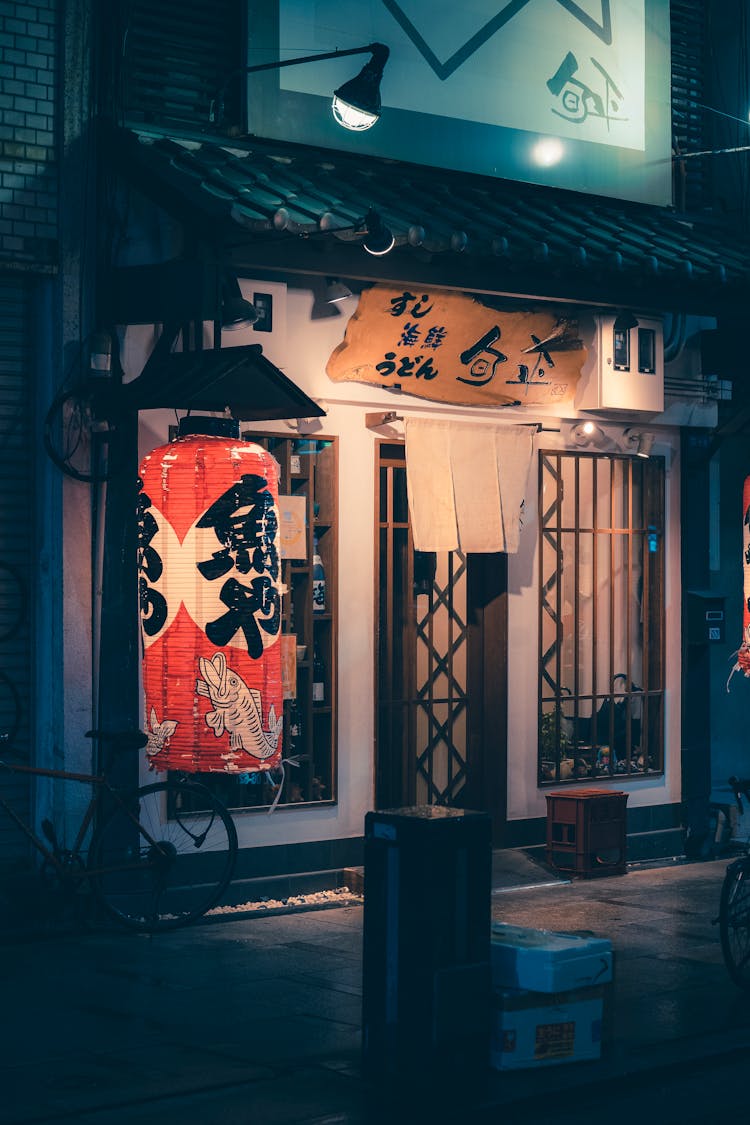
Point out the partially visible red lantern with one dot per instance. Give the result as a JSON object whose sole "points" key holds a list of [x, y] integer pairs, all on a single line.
{"points": [[210, 597], [742, 663]]}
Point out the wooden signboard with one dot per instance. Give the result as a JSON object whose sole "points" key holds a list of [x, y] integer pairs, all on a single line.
{"points": [[448, 347]]}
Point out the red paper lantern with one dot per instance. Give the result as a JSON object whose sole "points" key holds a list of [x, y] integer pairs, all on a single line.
{"points": [[210, 599], [746, 559], [742, 663]]}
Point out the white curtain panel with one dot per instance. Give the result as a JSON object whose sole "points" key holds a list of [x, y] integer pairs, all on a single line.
{"points": [[466, 482]]}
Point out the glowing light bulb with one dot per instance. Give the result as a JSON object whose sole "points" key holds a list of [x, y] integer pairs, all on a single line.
{"points": [[548, 151]]}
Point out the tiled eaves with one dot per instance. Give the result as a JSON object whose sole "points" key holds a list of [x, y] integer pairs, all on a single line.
{"points": [[260, 187]]}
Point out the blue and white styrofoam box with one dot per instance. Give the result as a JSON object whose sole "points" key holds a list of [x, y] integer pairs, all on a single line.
{"points": [[536, 1029], [545, 961]]}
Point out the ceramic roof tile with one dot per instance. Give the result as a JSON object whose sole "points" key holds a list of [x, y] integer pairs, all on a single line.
{"points": [[271, 186]]}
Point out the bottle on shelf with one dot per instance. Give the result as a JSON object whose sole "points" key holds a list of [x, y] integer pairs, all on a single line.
{"points": [[295, 728], [319, 684], [318, 581]]}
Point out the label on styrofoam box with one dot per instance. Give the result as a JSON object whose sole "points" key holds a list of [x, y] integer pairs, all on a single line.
{"points": [[533, 1029], [545, 961]]}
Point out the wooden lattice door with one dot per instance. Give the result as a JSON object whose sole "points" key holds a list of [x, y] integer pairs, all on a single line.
{"points": [[441, 683]]}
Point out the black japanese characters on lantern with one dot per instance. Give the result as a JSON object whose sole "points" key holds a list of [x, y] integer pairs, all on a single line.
{"points": [[245, 523], [153, 604]]}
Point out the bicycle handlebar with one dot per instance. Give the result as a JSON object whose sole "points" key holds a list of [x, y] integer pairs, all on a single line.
{"points": [[120, 739], [740, 787], [127, 739]]}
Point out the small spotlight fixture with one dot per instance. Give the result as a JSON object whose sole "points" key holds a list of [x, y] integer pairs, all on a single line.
{"points": [[236, 312], [336, 291], [638, 442], [586, 433], [378, 238], [625, 320]]}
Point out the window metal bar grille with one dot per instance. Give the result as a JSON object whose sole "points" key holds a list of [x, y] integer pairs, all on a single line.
{"points": [[601, 615], [422, 661], [441, 754]]}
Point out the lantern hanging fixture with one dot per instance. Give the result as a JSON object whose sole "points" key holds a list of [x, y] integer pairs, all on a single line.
{"points": [[210, 601]]}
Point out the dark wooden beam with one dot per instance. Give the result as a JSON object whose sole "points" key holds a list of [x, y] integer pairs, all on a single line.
{"points": [[323, 255]]}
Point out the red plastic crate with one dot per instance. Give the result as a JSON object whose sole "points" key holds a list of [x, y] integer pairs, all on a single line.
{"points": [[587, 831]]}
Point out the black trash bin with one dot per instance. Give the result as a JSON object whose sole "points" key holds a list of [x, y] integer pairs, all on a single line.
{"points": [[426, 955]]}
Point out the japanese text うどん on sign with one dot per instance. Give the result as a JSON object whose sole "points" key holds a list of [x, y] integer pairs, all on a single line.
{"points": [[448, 347]]}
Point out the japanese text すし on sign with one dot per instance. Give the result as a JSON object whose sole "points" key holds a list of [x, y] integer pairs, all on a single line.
{"points": [[449, 347]]}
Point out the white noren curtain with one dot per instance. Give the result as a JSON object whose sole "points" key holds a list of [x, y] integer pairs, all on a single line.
{"points": [[465, 483]]}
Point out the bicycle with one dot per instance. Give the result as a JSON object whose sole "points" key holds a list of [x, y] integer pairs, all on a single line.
{"points": [[734, 907], [152, 863]]}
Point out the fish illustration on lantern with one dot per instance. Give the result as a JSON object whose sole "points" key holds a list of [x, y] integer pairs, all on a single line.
{"points": [[237, 709], [159, 735]]}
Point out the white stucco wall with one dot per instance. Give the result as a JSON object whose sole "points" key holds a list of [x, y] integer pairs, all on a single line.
{"points": [[301, 345]]}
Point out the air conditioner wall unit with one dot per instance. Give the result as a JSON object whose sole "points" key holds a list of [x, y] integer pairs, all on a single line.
{"points": [[624, 369]]}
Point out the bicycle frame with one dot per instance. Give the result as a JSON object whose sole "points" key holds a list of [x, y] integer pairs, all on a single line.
{"points": [[98, 783]]}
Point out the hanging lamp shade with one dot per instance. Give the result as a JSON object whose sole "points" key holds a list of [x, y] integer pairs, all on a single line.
{"points": [[210, 601], [356, 105]]}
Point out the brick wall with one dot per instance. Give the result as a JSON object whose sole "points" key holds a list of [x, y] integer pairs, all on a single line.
{"points": [[28, 157]]}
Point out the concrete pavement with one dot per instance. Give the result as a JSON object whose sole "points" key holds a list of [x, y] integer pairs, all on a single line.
{"points": [[256, 1019]]}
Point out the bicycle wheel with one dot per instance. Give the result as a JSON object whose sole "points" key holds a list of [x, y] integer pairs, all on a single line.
{"points": [[154, 865], [734, 922], [79, 440], [10, 713], [12, 601]]}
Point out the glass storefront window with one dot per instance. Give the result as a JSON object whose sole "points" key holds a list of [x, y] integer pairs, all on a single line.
{"points": [[308, 478], [601, 614]]}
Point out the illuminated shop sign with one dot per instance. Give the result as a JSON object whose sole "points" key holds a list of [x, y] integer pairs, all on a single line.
{"points": [[574, 95]]}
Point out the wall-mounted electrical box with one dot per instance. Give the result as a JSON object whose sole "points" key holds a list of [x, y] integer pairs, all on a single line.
{"points": [[269, 330], [625, 367], [704, 620]]}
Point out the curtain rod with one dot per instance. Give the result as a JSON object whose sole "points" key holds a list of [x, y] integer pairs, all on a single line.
{"points": [[387, 417]]}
